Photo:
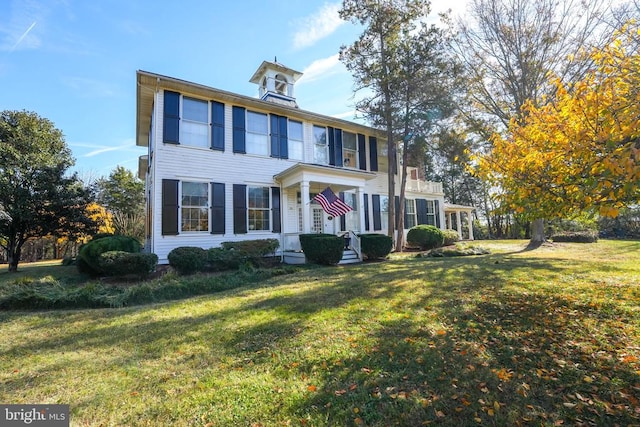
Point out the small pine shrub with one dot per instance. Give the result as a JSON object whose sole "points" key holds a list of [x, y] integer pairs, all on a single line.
{"points": [[425, 237], [450, 237], [254, 251], [576, 236], [119, 263], [325, 249], [375, 246], [89, 254], [188, 259]]}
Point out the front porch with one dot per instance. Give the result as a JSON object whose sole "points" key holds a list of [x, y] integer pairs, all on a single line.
{"points": [[459, 218], [302, 215]]}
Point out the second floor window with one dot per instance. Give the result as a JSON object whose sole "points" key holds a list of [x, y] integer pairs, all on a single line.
{"points": [[349, 150], [257, 133], [194, 126], [320, 148], [296, 143]]}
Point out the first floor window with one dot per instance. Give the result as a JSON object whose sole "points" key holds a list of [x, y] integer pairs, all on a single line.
{"points": [[257, 133], [194, 127], [351, 218], [431, 212], [384, 211], [258, 208], [409, 213], [194, 206]]}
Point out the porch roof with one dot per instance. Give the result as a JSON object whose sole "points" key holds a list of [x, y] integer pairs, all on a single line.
{"points": [[453, 207], [342, 177]]}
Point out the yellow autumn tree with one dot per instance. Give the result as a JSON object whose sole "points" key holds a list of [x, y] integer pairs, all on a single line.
{"points": [[581, 151]]}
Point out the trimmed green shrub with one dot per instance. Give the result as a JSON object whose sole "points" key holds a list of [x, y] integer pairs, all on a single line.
{"points": [[253, 248], [425, 237], [89, 254], [450, 237], [374, 245], [188, 259], [119, 263], [576, 236], [325, 249], [219, 259]]}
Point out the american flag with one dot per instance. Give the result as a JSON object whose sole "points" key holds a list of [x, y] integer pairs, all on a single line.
{"points": [[331, 204]]}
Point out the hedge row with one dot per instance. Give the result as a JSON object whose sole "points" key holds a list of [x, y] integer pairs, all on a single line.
{"points": [[576, 236], [231, 255]]}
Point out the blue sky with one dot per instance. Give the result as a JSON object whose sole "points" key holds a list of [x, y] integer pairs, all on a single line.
{"points": [[74, 61]]}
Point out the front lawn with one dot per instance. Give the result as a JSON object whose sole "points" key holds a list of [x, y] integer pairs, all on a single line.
{"points": [[544, 337]]}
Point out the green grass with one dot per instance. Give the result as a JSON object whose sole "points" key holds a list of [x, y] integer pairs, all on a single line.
{"points": [[518, 337]]}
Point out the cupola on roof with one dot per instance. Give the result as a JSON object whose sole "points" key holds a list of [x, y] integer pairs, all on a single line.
{"points": [[275, 82]]}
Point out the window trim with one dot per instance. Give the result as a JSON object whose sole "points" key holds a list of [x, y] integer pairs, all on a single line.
{"points": [[268, 209], [182, 206]]}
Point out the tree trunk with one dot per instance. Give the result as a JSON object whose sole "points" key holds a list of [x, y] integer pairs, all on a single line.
{"points": [[537, 233], [13, 256]]}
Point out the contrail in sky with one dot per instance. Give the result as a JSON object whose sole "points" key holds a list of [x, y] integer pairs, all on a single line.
{"points": [[23, 36]]}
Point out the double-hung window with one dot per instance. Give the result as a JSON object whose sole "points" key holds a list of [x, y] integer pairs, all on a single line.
{"points": [[384, 211], [320, 147], [258, 208], [257, 133], [383, 156], [194, 126], [351, 218], [409, 213], [194, 212], [296, 143], [349, 150], [431, 212]]}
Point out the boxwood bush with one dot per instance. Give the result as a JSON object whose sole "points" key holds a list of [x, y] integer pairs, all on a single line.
{"points": [[120, 263], [188, 259], [375, 246], [425, 237], [88, 260], [325, 249], [587, 236]]}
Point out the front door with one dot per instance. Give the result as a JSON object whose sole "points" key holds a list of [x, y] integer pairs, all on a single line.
{"points": [[320, 222]]}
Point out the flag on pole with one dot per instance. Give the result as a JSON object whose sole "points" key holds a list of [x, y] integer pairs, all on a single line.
{"points": [[331, 204]]}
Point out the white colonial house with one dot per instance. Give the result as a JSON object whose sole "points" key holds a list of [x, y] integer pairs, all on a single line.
{"points": [[227, 167]]}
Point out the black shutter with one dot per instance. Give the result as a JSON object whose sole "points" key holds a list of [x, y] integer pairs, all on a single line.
{"points": [[366, 212], [169, 207], [171, 134], [332, 145], [421, 211], [284, 138], [338, 147], [217, 208], [279, 138], [239, 135], [343, 219], [275, 135], [217, 126], [373, 153], [377, 216], [275, 209], [397, 205], [362, 152], [436, 209], [239, 209]]}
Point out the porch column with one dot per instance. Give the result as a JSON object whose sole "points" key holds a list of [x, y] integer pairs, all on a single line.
{"points": [[470, 222], [306, 212], [360, 202], [459, 224]]}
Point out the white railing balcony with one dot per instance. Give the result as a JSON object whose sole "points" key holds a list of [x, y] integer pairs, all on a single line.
{"points": [[420, 186]]}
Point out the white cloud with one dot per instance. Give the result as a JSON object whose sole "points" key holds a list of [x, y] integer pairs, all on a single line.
{"points": [[91, 88], [317, 26], [322, 68]]}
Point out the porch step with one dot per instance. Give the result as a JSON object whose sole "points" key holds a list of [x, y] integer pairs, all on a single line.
{"points": [[349, 257]]}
